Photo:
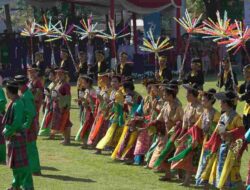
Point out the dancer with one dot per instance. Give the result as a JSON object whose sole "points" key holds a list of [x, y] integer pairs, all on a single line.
{"points": [[47, 117], [245, 90], [3, 103], [36, 86], [14, 133], [116, 116], [226, 144], [125, 147], [30, 124], [61, 96], [101, 122], [168, 119], [147, 112], [86, 100], [192, 112]]}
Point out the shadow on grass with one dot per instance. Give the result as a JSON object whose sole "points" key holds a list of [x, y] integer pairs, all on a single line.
{"points": [[68, 178], [49, 168], [73, 145]]}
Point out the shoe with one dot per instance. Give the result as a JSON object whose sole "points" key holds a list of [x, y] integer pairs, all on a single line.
{"points": [[128, 162], [184, 184], [37, 174], [65, 143], [14, 188], [84, 146], [98, 152], [164, 178]]}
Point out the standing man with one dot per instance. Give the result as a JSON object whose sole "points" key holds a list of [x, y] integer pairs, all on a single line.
{"points": [[195, 76], [14, 133], [3, 103], [225, 77], [65, 62], [124, 68], [39, 62], [164, 71], [82, 63], [29, 124]]}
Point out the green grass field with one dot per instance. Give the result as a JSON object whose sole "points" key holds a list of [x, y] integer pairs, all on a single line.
{"points": [[71, 168]]}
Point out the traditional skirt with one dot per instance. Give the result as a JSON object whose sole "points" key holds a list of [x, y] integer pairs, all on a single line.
{"points": [[226, 169], [190, 162], [86, 126], [98, 130], [125, 144], [17, 156], [157, 152], [203, 163], [82, 120], [142, 143], [60, 119], [151, 150], [111, 137], [46, 123], [127, 148], [31, 133], [248, 176]]}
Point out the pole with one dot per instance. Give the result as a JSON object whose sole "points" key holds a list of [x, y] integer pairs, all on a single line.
{"points": [[135, 32], [112, 18], [184, 58]]}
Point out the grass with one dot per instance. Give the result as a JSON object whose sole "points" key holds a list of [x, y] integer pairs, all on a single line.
{"points": [[70, 168]]}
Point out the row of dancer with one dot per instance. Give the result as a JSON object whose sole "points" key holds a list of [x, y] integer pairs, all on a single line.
{"points": [[158, 131]]}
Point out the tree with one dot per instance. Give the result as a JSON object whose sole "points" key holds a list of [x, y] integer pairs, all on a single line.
{"points": [[8, 22]]}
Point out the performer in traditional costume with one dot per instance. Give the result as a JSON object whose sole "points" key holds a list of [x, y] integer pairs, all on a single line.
{"points": [[100, 125], [61, 96], [245, 90], [201, 133], [101, 65], [39, 62], [3, 103], [47, 117], [124, 68], [82, 65], [165, 72], [36, 86], [116, 116], [125, 147], [195, 76], [65, 60], [147, 112], [226, 145], [30, 124], [14, 133], [192, 112], [225, 77], [86, 100], [171, 114]]}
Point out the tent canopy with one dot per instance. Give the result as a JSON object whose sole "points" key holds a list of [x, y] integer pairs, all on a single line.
{"points": [[136, 6]]}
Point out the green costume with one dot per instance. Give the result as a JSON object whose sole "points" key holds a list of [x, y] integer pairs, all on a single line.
{"points": [[3, 102], [17, 158], [29, 124]]}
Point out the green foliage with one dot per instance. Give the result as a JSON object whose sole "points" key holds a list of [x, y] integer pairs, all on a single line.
{"points": [[196, 7]]}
